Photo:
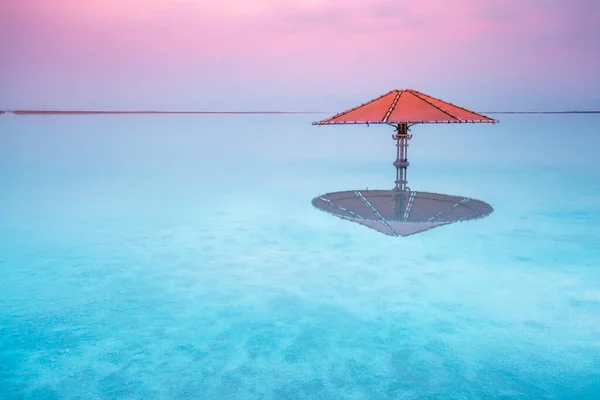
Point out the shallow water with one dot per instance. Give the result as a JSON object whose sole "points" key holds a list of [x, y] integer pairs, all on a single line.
{"points": [[177, 257]]}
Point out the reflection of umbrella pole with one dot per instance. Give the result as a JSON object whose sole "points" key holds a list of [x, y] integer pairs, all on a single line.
{"points": [[401, 137]]}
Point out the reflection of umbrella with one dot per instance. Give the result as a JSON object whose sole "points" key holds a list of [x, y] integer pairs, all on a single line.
{"points": [[401, 213], [403, 109]]}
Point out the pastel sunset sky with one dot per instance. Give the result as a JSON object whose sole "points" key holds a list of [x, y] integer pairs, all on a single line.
{"points": [[319, 55]]}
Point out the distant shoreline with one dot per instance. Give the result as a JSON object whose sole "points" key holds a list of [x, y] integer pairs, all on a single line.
{"points": [[541, 112]]}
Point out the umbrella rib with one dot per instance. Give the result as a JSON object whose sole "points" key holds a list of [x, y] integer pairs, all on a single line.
{"points": [[326, 121], [409, 206], [386, 117], [463, 201], [417, 94], [374, 210], [462, 108], [339, 207]]}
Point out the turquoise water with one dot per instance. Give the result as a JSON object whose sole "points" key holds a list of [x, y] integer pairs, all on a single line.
{"points": [[179, 257]]}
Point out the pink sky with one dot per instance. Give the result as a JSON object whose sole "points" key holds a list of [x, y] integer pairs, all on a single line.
{"points": [[297, 54]]}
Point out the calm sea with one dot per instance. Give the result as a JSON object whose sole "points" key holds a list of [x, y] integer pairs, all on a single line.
{"points": [[179, 257]]}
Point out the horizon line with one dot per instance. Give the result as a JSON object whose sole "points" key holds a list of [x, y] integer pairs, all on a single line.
{"points": [[60, 112], [91, 112]]}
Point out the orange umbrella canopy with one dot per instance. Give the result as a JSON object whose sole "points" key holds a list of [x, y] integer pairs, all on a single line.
{"points": [[405, 106]]}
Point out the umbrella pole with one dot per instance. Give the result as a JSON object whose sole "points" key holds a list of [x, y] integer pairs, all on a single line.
{"points": [[401, 137]]}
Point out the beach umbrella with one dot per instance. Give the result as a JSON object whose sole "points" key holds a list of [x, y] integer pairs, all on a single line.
{"points": [[402, 109]]}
